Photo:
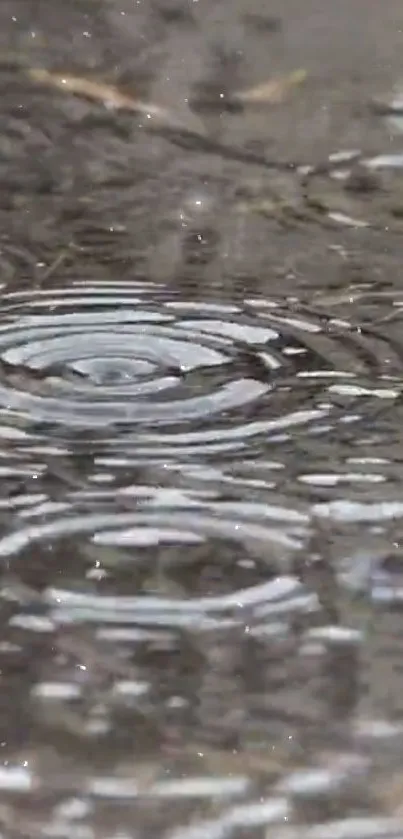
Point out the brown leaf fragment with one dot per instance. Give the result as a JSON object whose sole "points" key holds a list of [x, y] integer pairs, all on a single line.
{"points": [[97, 91], [273, 91]]}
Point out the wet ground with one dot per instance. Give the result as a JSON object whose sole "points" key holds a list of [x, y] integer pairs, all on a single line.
{"points": [[201, 459]]}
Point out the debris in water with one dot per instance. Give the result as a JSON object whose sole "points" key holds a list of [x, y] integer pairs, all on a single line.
{"points": [[384, 161], [387, 105], [272, 92], [391, 107], [105, 94], [344, 156], [342, 218]]}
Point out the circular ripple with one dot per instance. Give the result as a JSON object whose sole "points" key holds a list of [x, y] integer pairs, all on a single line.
{"points": [[170, 373], [176, 559]]}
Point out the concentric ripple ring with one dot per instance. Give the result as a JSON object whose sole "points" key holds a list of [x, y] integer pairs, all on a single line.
{"points": [[269, 537], [169, 371]]}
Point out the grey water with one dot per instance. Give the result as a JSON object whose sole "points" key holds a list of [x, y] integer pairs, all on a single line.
{"points": [[201, 460]]}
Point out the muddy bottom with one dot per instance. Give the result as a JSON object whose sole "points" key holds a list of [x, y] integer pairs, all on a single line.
{"points": [[201, 359]]}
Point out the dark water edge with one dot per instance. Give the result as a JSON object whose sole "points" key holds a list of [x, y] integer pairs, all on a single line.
{"points": [[200, 422]]}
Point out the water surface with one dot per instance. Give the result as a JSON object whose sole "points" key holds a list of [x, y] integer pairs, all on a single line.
{"points": [[200, 426]]}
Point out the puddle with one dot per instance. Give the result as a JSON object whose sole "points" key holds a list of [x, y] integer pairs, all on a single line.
{"points": [[200, 421]]}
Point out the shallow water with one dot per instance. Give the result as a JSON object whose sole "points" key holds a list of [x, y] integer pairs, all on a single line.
{"points": [[201, 385]]}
